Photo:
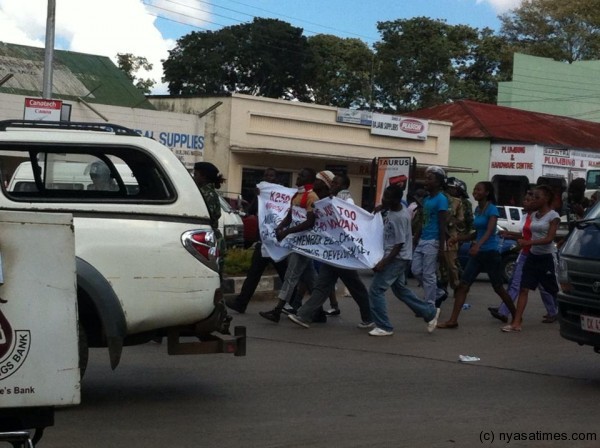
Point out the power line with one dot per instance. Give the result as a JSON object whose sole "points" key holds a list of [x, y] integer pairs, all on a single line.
{"points": [[289, 50], [299, 20], [221, 15]]}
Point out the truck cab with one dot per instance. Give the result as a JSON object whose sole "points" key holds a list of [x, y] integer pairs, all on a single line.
{"points": [[579, 277]]}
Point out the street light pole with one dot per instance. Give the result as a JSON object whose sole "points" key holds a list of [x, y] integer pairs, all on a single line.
{"points": [[49, 50]]}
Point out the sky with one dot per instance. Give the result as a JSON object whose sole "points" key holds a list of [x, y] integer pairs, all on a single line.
{"points": [[150, 28]]}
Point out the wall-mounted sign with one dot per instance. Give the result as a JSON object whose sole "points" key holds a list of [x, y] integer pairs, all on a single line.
{"points": [[39, 109], [391, 171], [399, 127], [352, 116]]}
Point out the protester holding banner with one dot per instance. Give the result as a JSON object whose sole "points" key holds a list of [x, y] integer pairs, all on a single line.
{"points": [[483, 254], [300, 267], [432, 236], [340, 189], [328, 276], [259, 262], [391, 269]]}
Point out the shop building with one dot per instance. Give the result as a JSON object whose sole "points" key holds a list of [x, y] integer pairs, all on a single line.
{"points": [[245, 134], [240, 134], [553, 87], [514, 148]]}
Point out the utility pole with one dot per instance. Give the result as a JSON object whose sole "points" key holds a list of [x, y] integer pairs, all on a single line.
{"points": [[49, 50]]}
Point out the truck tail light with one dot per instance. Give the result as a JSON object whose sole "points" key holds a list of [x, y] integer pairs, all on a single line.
{"points": [[202, 244]]}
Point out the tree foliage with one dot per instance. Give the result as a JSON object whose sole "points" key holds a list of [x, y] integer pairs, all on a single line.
{"points": [[423, 62], [131, 64], [563, 30], [417, 63], [340, 71], [264, 58]]}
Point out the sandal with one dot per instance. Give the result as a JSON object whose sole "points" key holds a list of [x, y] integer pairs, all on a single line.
{"points": [[549, 319], [448, 325], [510, 329]]}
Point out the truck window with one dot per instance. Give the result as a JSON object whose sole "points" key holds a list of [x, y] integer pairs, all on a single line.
{"points": [[514, 214], [82, 174], [592, 179]]}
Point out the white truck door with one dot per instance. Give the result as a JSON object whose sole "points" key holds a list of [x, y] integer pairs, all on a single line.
{"points": [[38, 311]]}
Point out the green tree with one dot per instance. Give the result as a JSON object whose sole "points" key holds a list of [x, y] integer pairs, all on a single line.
{"points": [[341, 70], [422, 62], [563, 30], [263, 58], [131, 64], [489, 61]]}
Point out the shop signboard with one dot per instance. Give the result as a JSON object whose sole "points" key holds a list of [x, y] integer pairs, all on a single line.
{"points": [[38, 109], [392, 171], [399, 126]]}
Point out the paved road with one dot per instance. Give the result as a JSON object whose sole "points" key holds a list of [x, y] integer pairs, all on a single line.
{"points": [[334, 386]]}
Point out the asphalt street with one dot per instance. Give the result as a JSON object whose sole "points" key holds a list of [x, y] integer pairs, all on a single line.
{"points": [[334, 386]]}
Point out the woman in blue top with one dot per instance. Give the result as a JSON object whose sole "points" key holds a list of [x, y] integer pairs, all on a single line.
{"points": [[484, 254]]}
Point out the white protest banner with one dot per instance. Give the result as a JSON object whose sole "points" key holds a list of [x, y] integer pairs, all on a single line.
{"points": [[344, 234], [274, 203]]}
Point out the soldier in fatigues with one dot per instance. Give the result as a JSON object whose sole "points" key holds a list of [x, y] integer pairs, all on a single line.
{"points": [[209, 180]]}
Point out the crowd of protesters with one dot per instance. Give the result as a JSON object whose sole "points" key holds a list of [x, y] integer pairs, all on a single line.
{"points": [[422, 238]]}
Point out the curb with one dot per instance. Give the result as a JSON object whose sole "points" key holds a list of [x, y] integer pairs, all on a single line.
{"points": [[267, 288]]}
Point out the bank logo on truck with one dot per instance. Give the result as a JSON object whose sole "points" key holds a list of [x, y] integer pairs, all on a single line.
{"points": [[14, 347]]}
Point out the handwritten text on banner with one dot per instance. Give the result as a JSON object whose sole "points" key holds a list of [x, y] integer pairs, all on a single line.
{"points": [[344, 234]]}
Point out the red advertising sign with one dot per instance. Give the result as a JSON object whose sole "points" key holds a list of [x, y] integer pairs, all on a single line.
{"points": [[39, 109]]}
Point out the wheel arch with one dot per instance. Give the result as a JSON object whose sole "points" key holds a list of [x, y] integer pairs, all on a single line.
{"points": [[100, 309]]}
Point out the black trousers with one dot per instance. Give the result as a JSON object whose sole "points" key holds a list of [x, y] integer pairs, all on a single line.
{"points": [[257, 268]]}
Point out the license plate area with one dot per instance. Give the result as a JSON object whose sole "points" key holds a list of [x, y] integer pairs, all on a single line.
{"points": [[590, 323]]}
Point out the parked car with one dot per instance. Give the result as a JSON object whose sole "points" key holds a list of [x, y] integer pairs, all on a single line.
{"points": [[146, 256], [510, 217], [509, 252], [231, 225], [579, 277]]}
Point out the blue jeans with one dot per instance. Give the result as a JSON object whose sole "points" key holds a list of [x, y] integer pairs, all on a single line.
{"points": [[515, 286], [424, 268], [299, 268], [393, 275]]}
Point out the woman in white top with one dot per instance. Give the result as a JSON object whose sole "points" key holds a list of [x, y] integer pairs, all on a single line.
{"points": [[540, 266]]}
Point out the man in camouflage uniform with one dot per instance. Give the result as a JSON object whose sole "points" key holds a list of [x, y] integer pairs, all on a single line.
{"points": [[209, 180], [460, 221]]}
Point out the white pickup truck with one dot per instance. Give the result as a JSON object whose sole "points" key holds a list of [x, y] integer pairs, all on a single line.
{"points": [[510, 217], [146, 258]]}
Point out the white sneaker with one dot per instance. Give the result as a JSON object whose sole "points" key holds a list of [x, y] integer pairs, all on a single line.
{"points": [[380, 332], [431, 325], [288, 309], [366, 325], [298, 321]]}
